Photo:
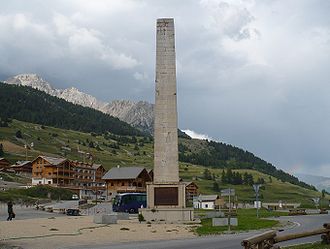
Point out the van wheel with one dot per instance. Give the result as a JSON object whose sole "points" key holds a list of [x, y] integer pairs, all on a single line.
{"points": [[132, 211]]}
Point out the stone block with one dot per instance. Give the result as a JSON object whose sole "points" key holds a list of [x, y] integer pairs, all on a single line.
{"points": [[214, 214], [224, 222], [105, 219], [123, 216]]}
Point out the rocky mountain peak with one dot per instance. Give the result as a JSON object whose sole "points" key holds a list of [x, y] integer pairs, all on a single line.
{"points": [[138, 114], [31, 80]]}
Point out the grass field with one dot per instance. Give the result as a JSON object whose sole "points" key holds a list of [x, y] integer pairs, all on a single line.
{"points": [[272, 191], [31, 195], [67, 143], [58, 142], [247, 220]]}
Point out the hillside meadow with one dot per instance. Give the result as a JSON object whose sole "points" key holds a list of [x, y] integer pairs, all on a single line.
{"points": [[112, 150]]}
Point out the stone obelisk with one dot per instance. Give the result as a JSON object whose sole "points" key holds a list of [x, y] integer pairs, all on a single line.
{"points": [[166, 169], [166, 194]]}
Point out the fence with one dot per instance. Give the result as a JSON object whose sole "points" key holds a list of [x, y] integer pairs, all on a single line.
{"points": [[267, 240]]}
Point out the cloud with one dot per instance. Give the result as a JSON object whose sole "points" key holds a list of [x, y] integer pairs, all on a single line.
{"points": [[88, 43], [141, 76], [196, 135]]}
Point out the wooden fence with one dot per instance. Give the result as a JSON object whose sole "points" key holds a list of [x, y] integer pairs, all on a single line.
{"points": [[269, 239]]}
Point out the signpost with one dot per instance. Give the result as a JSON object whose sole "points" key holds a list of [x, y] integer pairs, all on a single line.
{"points": [[256, 188], [316, 201], [228, 192]]}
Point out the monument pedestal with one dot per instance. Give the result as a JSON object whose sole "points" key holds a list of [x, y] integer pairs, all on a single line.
{"points": [[167, 202], [168, 215]]}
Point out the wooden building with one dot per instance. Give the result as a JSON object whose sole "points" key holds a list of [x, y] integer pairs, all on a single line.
{"points": [[4, 164], [126, 179], [52, 171], [22, 167], [191, 190], [88, 177]]}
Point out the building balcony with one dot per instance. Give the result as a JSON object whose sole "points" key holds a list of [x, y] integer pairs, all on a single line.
{"points": [[61, 177]]}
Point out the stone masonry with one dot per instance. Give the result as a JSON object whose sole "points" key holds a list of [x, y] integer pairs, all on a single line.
{"points": [[166, 168]]}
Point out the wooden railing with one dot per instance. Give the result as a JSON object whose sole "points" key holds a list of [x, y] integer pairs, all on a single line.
{"points": [[269, 239]]}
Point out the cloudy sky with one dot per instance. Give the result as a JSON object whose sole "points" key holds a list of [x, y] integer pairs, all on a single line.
{"points": [[254, 74]]}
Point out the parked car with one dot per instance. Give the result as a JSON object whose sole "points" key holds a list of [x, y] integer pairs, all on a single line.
{"points": [[73, 212]]}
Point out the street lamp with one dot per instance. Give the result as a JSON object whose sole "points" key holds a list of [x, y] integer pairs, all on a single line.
{"points": [[256, 188]]}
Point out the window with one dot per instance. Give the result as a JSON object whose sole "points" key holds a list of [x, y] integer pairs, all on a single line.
{"points": [[49, 182], [122, 184], [139, 184], [112, 184]]}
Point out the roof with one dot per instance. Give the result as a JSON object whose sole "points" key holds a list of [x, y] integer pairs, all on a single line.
{"points": [[207, 197], [96, 166], [123, 173], [2, 158], [21, 163], [52, 160], [188, 183]]}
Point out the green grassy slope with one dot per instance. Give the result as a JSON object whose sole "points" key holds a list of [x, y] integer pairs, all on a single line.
{"points": [[273, 190], [58, 142]]}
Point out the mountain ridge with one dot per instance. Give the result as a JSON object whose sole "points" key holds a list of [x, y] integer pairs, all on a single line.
{"points": [[138, 114], [320, 182]]}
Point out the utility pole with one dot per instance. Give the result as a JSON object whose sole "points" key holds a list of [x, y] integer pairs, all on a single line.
{"points": [[256, 188], [229, 213]]}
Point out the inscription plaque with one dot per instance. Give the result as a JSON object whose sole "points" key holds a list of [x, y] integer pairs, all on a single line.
{"points": [[167, 196]]}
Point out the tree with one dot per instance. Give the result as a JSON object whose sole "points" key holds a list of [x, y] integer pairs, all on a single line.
{"points": [[223, 177], [1, 150], [323, 193], [207, 174], [216, 186], [18, 134]]}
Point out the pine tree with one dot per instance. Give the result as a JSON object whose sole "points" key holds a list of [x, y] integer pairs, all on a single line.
{"points": [[1, 150], [18, 134], [216, 186]]}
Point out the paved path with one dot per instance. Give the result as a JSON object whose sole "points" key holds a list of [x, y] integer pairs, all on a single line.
{"points": [[232, 241], [23, 213]]}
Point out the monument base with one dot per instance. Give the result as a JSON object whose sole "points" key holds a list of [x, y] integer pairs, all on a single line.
{"points": [[167, 215], [170, 195]]}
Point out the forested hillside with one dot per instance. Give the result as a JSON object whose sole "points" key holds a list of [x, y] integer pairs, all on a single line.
{"points": [[31, 105], [220, 155]]}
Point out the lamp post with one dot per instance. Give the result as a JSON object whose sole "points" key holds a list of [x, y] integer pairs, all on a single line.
{"points": [[256, 188]]}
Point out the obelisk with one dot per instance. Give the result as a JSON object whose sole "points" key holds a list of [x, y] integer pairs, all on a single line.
{"points": [[166, 194], [166, 168]]}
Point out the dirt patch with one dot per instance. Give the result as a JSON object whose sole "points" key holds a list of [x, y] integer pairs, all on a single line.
{"points": [[11, 147]]}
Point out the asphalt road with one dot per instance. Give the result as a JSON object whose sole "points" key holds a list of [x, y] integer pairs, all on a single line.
{"points": [[231, 241]]}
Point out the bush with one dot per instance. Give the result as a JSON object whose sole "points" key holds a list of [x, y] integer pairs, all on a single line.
{"points": [[141, 218]]}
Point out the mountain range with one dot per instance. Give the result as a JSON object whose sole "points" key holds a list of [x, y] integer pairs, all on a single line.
{"points": [[320, 182], [138, 114]]}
